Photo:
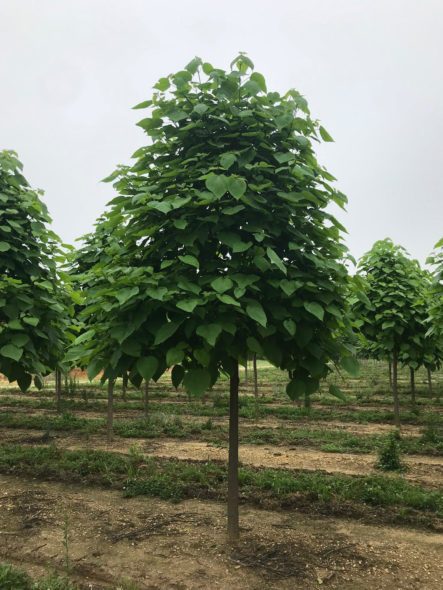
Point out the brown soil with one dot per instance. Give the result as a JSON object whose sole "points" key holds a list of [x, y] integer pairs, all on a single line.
{"points": [[164, 546]]}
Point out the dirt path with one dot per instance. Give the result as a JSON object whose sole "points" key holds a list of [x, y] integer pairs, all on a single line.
{"points": [[422, 470], [163, 546]]}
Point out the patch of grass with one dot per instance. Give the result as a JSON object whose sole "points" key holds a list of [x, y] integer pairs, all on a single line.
{"points": [[66, 422], [12, 578], [154, 425], [176, 480]]}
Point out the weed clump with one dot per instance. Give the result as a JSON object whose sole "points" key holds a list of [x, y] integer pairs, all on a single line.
{"points": [[389, 457], [15, 579]]}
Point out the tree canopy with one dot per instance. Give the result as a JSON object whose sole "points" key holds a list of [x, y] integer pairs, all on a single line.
{"points": [[33, 303], [226, 246]]}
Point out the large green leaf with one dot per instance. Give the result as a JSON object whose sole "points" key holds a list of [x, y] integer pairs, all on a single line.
{"points": [[189, 259], [259, 80], [275, 259], [289, 287], [236, 186], [210, 332], [228, 300], [290, 326], [24, 380], [315, 308], [177, 375], [296, 388], [32, 321], [174, 356], [131, 348], [188, 304], [156, 292], [165, 332], [125, 294], [222, 284], [147, 366], [324, 134], [19, 339], [234, 241], [226, 160], [197, 381], [94, 368], [10, 351], [217, 184], [255, 311], [351, 366], [337, 392]]}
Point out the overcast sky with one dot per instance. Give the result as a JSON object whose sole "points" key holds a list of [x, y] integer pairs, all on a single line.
{"points": [[70, 71]]}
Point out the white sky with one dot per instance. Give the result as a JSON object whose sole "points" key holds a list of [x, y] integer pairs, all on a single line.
{"points": [[70, 71]]}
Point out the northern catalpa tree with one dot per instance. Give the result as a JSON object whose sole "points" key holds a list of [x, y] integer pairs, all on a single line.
{"points": [[227, 244]]}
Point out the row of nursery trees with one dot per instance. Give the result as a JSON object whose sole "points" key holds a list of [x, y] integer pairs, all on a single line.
{"points": [[217, 246]]}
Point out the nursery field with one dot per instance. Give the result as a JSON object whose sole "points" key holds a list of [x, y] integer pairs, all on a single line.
{"points": [[331, 495]]}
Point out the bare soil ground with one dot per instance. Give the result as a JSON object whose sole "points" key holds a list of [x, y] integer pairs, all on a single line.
{"points": [[163, 546]]}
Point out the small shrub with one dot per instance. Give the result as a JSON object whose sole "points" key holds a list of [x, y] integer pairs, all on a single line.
{"points": [[433, 431], [207, 425], [389, 454]]}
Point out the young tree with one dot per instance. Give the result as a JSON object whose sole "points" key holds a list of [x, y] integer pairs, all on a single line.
{"points": [[34, 306], [228, 248], [391, 314]]}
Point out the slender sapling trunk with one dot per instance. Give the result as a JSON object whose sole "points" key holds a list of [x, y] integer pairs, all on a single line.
{"points": [[110, 420], [146, 398], [124, 386], [58, 390], [394, 388], [390, 374], [233, 525], [428, 370], [413, 386]]}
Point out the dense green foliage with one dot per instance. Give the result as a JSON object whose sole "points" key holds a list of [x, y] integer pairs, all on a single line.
{"points": [[394, 314], [33, 303], [225, 245], [436, 259]]}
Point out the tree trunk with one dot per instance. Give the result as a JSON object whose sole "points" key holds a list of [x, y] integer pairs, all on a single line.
{"points": [[110, 421], [124, 386], [428, 370], [254, 362], [307, 401], [58, 390], [233, 526], [390, 374], [255, 387], [146, 398], [394, 388], [412, 386], [246, 371]]}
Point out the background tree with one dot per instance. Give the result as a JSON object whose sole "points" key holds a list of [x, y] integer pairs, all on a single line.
{"points": [[34, 305], [435, 330], [227, 246], [394, 285]]}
